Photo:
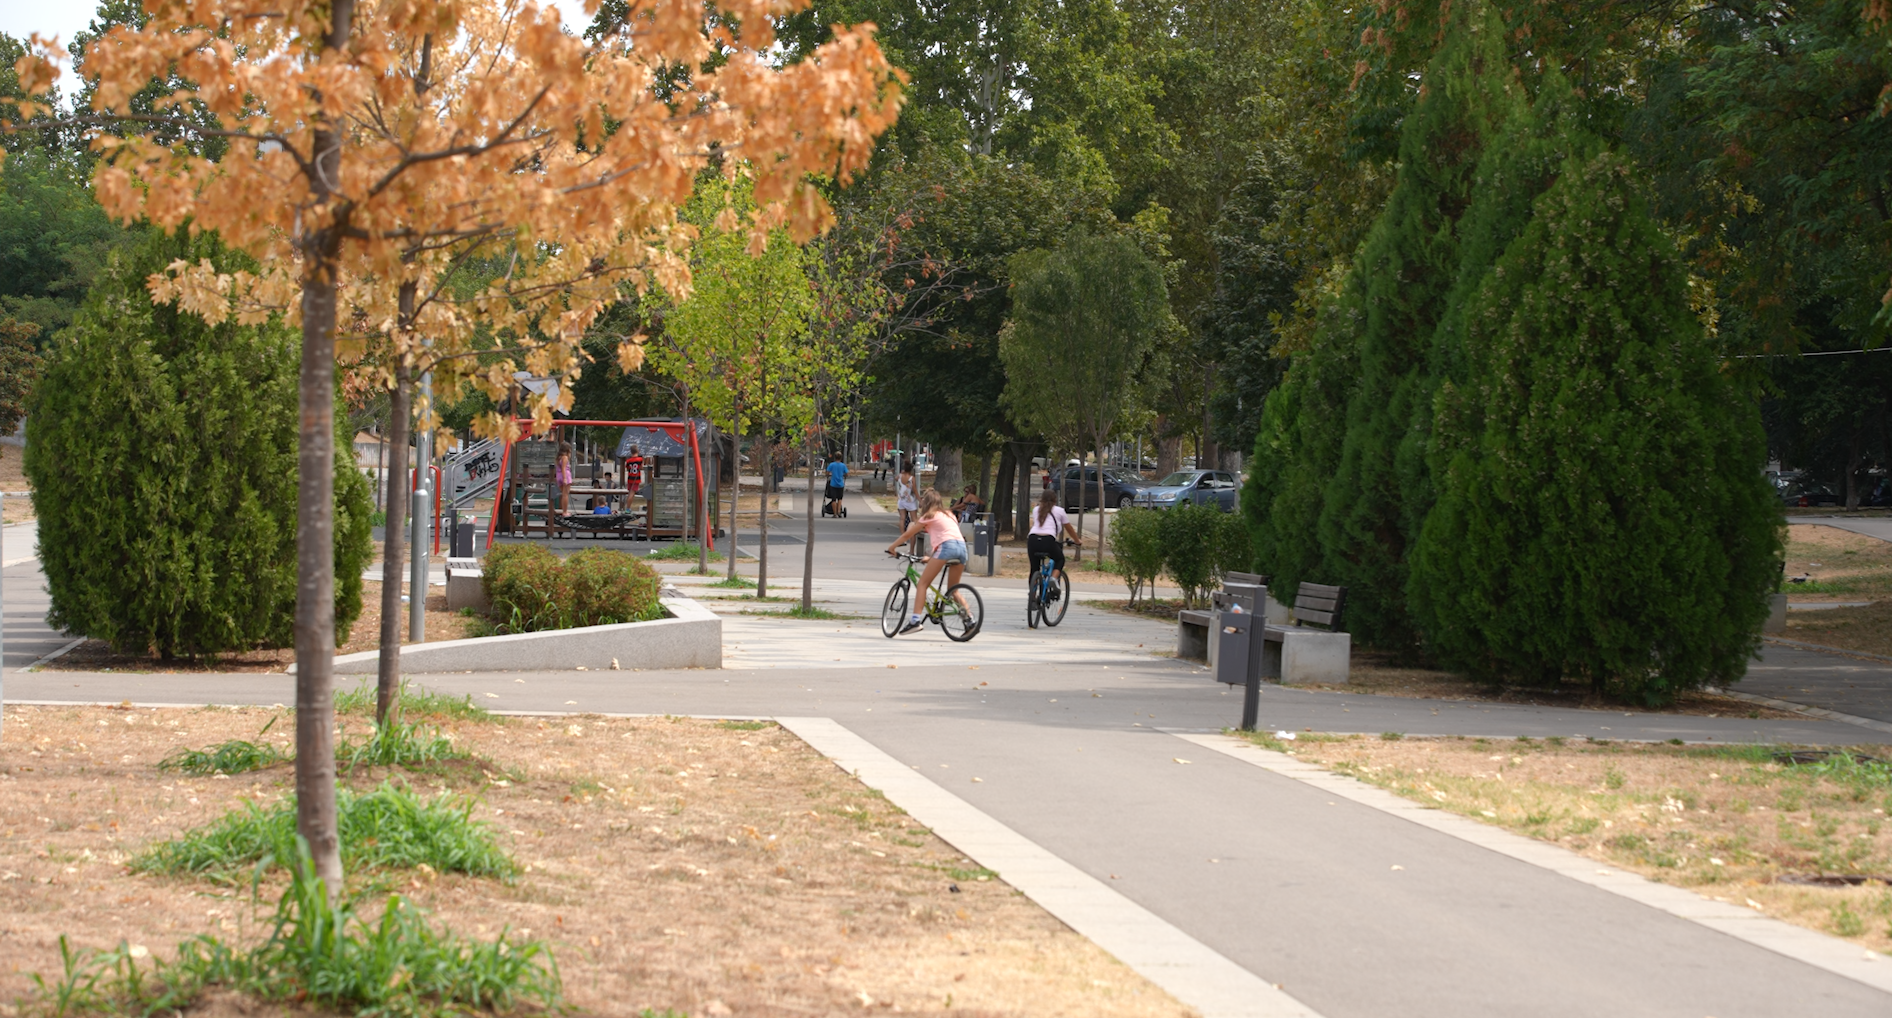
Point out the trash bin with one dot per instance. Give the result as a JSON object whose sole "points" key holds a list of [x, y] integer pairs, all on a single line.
{"points": [[1249, 595], [1234, 634], [462, 536], [981, 535]]}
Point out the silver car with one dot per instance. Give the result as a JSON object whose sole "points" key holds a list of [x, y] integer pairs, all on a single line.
{"points": [[1203, 487]]}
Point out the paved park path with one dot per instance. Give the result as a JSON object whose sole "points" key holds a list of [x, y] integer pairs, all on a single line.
{"points": [[1071, 743]]}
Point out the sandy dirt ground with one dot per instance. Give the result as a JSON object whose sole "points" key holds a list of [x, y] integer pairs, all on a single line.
{"points": [[670, 863]]}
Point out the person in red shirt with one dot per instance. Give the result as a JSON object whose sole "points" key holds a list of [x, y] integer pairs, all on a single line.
{"points": [[633, 472]]}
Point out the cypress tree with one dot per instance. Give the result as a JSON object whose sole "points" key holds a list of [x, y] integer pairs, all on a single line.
{"points": [[1378, 489], [1601, 512], [163, 461]]}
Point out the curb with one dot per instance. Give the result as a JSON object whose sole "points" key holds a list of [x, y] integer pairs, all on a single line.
{"points": [[1799, 645], [1813, 712]]}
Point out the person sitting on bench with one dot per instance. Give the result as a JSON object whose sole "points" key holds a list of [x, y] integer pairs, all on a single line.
{"points": [[969, 504]]}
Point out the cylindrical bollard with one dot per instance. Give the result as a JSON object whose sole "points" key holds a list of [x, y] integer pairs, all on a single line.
{"points": [[417, 579]]}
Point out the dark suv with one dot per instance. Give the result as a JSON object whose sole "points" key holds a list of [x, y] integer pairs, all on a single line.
{"points": [[1121, 487]]}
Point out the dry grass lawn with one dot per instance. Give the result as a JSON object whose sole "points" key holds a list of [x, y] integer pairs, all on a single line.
{"points": [[365, 635], [714, 869], [1838, 565], [1733, 823]]}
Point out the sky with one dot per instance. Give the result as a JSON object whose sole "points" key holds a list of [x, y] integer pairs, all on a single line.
{"points": [[66, 18]]}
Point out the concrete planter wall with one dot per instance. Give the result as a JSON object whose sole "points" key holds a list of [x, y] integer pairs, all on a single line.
{"points": [[692, 637]]}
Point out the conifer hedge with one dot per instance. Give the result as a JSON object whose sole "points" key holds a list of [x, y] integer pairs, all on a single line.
{"points": [[163, 462], [1602, 514]]}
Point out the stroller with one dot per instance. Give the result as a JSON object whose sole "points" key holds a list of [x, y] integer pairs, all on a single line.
{"points": [[831, 504]]}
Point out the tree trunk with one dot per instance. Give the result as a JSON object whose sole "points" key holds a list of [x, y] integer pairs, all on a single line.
{"points": [[1098, 442], [949, 476], [1168, 455], [808, 547], [1205, 453], [1002, 493], [315, 574], [1021, 458], [762, 518], [735, 489], [1853, 459], [393, 544], [315, 509]]}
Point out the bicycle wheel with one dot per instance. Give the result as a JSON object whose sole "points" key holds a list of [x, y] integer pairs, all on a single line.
{"points": [[962, 624], [893, 614], [1031, 602], [1059, 601]]}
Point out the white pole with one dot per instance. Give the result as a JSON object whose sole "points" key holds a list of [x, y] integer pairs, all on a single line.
{"points": [[423, 458]]}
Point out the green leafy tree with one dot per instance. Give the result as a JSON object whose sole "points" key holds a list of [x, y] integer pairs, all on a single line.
{"points": [[1602, 515], [1084, 319], [1381, 488], [1191, 536], [163, 461], [20, 365], [735, 342]]}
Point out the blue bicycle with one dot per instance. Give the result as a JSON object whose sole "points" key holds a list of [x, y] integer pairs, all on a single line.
{"points": [[1048, 596]]}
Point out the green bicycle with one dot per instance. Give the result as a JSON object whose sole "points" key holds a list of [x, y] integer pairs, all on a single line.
{"points": [[957, 609]]}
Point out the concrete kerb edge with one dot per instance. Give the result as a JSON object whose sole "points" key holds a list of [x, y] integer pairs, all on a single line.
{"points": [[691, 637], [1824, 649], [1812, 712], [1183, 966], [1806, 946]]}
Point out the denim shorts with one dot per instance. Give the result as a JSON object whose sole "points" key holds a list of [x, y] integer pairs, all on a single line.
{"points": [[952, 551]]}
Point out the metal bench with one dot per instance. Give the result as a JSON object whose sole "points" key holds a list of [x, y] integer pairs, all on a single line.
{"points": [[1314, 648]]}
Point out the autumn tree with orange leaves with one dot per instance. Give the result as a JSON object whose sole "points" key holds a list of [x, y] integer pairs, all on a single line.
{"points": [[374, 146]]}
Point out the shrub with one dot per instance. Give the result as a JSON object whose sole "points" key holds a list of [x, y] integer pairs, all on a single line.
{"points": [[532, 591], [1233, 551], [1136, 539], [1602, 514], [389, 826], [1190, 535], [163, 461]]}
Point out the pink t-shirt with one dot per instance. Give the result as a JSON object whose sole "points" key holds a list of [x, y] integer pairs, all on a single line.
{"points": [[941, 527]]}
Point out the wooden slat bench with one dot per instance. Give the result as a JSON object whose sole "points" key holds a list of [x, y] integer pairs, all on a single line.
{"points": [[1314, 648]]}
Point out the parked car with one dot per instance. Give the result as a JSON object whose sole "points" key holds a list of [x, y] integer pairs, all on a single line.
{"points": [[1804, 491], [1204, 487], [1121, 487]]}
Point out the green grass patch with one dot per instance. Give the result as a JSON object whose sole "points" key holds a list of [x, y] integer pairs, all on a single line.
{"points": [[744, 726], [682, 553], [396, 745], [733, 582], [396, 964], [233, 757], [414, 702], [815, 612], [389, 827]]}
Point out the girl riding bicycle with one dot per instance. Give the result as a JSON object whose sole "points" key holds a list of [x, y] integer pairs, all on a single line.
{"points": [[1048, 524], [949, 549]]}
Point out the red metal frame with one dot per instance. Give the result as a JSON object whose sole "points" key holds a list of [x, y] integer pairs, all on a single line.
{"points": [[673, 428]]}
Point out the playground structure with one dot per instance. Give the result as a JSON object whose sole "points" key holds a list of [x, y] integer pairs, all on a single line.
{"points": [[681, 479]]}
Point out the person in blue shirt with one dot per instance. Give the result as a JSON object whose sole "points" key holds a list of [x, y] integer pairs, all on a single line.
{"points": [[837, 484]]}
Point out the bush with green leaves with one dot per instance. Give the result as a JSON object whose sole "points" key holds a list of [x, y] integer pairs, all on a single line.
{"points": [[1137, 540], [163, 459], [1602, 516], [532, 590], [1192, 536], [1234, 552]]}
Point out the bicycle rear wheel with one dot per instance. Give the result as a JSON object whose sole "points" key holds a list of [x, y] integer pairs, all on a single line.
{"points": [[962, 623], [1059, 601], [1031, 601], [893, 613]]}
